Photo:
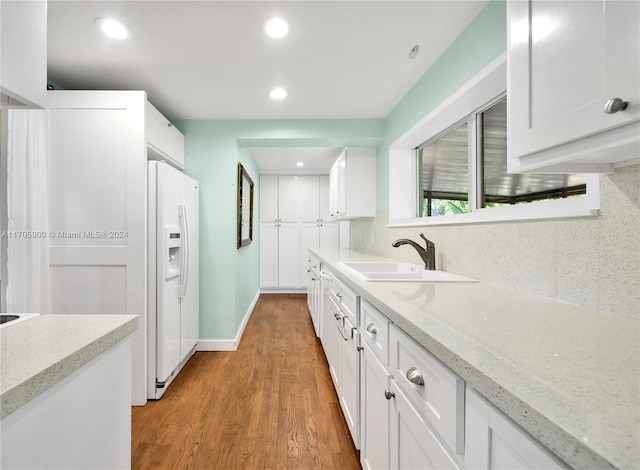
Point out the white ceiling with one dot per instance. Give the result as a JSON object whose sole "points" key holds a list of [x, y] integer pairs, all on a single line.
{"points": [[211, 59], [280, 160]]}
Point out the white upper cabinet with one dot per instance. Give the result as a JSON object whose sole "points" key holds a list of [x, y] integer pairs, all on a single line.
{"points": [[324, 198], [308, 198], [566, 61], [288, 205], [164, 141], [352, 181], [23, 53], [268, 198]]}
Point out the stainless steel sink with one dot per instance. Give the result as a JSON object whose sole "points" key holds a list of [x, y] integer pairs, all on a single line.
{"points": [[400, 272]]}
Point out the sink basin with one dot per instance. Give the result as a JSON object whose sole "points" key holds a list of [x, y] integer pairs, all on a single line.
{"points": [[7, 319], [400, 272]]}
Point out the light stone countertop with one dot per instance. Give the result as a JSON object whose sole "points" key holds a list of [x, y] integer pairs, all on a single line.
{"points": [[567, 374], [37, 353]]}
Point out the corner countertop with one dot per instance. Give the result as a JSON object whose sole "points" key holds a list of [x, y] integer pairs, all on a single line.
{"points": [[567, 374], [39, 352]]}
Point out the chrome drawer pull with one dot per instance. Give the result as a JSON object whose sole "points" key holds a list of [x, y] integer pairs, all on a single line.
{"points": [[415, 377], [388, 394], [371, 329], [342, 334]]}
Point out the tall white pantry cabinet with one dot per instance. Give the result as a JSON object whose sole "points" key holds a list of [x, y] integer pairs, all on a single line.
{"points": [[294, 214], [98, 151]]}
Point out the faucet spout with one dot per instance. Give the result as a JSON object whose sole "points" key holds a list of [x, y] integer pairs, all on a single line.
{"points": [[427, 254]]}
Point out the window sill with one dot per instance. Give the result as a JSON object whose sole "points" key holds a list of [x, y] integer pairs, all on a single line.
{"points": [[557, 209]]}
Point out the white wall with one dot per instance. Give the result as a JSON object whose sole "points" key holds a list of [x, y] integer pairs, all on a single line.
{"points": [[593, 262]]}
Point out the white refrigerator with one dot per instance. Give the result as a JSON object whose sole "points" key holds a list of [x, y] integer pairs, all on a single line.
{"points": [[173, 304]]}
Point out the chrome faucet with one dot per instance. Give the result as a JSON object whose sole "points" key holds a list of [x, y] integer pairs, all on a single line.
{"points": [[427, 254]]}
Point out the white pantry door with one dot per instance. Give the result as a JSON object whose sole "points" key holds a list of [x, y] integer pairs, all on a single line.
{"points": [[98, 219]]}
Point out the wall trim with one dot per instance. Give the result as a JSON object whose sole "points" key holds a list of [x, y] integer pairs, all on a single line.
{"points": [[298, 290], [229, 344]]}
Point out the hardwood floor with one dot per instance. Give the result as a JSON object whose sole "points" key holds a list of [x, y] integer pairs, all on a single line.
{"points": [[270, 404]]}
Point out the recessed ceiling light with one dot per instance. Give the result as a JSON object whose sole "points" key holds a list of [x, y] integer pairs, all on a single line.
{"points": [[112, 28], [278, 93], [276, 28], [300, 164]]}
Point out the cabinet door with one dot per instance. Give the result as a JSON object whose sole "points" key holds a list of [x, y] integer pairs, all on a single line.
{"points": [[325, 211], [329, 235], [374, 413], [333, 191], [268, 255], [325, 311], [492, 442], [308, 198], [334, 342], [566, 59], [268, 198], [165, 142], [288, 204], [289, 256], [350, 396], [341, 207], [98, 173], [309, 238], [413, 444]]}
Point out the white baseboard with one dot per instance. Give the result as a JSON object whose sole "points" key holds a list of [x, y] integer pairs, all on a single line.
{"points": [[229, 344], [268, 290]]}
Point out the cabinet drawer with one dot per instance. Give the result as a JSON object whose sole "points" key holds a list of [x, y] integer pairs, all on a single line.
{"points": [[375, 330], [346, 299], [440, 398]]}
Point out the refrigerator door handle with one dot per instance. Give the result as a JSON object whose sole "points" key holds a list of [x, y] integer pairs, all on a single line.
{"points": [[184, 268]]}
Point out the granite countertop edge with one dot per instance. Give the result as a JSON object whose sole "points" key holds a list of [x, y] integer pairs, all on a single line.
{"points": [[25, 391], [568, 447]]}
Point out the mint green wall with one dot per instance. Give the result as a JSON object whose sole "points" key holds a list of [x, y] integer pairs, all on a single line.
{"points": [[481, 42], [229, 278]]}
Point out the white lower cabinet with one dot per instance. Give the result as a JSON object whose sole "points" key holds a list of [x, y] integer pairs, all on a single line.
{"points": [[374, 412], [334, 345], [82, 422], [313, 292], [493, 442], [413, 443], [404, 408], [435, 391], [350, 392], [279, 259]]}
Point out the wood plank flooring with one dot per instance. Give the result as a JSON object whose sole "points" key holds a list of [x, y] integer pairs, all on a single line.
{"points": [[269, 405]]}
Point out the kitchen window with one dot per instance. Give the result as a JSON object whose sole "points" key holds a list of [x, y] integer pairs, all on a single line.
{"points": [[444, 162], [451, 166]]}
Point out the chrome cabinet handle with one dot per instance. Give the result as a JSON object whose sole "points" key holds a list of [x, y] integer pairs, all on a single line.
{"points": [[360, 348], [313, 279], [614, 105], [371, 329], [339, 295], [388, 394], [342, 334], [415, 377], [337, 316]]}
